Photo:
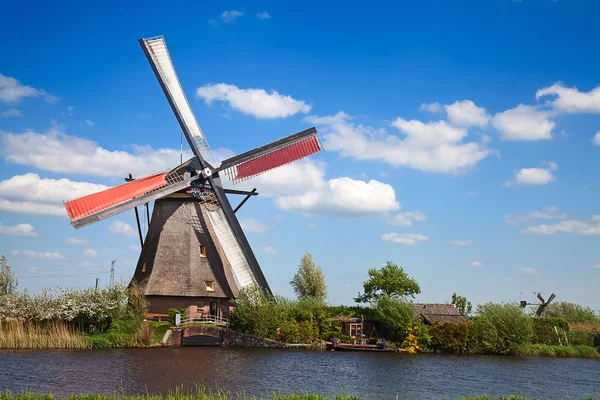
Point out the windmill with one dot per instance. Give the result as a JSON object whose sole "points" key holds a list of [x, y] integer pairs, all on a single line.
{"points": [[195, 252], [543, 307]]}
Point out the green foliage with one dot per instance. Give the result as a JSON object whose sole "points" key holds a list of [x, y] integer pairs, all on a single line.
{"points": [[581, 337], [544, 332], [450, 338], [137, 302], [464, 307], [8, 282], [289, 332], [174, 311], [390, 281], [394, 314], [309, 281], [575, 313], [160, 328], [557, 351], [423, 335], [501, 328]]}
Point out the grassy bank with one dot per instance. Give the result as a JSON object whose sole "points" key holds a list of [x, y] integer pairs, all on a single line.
{"points": [[202, 394], [557, 351]]}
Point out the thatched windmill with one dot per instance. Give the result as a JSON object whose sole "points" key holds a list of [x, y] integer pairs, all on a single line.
{"points": [[195, 252]]}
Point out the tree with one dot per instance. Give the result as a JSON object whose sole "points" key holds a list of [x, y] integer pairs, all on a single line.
{"points": [[464, 307], [390, 280], [8, 282], [575, 313], [309, 281], [393, 313], [502, 328]]}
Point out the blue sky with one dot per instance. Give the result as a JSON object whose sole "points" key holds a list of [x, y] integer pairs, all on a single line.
{"points": [[462, 139]]}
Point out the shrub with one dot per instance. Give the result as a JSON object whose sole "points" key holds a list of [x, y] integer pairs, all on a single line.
{"points": [[544, 332], [501, 328], [394, 314], [411, 342], [173, 311], [450, 338], [581, 337], [574, 313], [289, 332]]}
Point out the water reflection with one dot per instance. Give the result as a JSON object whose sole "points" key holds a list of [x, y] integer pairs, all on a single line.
{"points": [[372, 376]]}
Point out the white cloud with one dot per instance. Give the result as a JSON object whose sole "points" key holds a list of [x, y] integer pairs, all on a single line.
{"points": [[256, 102], [583, 228], [263, 15], [121, 228], [34, 254], [18, 230], [13, 112], [253, 225], [431, 107], [434, 146], [90, 253], [70, 110], [406, 219], [527, 271], [89, 122], [596, 139], [465, 242], [311, 226], [13, 91], [31, 208], [571, 100], [270, 250], [213, 23], [58, 152], [408, 239], [229, 15], [87, 264], [533, 176], [473, 193], [476, 263], [465, 113], [523, 123], [134, 248], [596, 266], [77, 241], [545, 213]]}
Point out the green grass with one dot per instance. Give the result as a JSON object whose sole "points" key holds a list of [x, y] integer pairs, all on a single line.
{"points": [[557, 351], [160, 328]]}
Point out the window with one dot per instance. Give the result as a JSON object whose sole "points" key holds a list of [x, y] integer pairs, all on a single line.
{"points": [[203, 250], [144, 266], [200, 306], [210, 286]]}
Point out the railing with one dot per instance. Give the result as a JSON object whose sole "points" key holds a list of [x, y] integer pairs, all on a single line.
{"points": [[205, 319]]}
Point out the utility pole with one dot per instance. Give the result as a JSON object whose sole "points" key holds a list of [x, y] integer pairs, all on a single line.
{"points": [[96, 283], [112, 273]]}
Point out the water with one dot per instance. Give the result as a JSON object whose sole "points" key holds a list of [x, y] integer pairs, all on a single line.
{"points": [[257, 371]]}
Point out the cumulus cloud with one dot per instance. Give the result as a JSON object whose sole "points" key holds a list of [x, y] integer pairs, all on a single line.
{"points": [[18, 230], [253, 225], [466, 114], [524, 122], [13, 112], [571, 100], [431, 107], [406, 219], [596, 139], [32, 195], [229, 15], [77, 241], [270, 250], [56, 151], [433, 146], [549, 212], [34, 254], [263, 15], [533, 176], [256, 102], [476, 263], [576, 227], [465, 242], [13, 91], [90, 253], [89, 122], [408, 239], [527, 271], [121, 228]]}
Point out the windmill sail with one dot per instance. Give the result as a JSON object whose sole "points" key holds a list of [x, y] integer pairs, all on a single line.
{"points": [[157, 53], [271, 156]]}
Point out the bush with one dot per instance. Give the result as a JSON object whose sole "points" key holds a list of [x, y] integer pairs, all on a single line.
{"points": [[394, 314], [173, 311], [544, 332], [450, 338], [501, 328], [580, 337], [289, 332], [575, 313], [557, 351]]}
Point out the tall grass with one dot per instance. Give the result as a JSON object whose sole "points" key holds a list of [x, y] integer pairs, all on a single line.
{"points": [[557, 351], [16, 333]]}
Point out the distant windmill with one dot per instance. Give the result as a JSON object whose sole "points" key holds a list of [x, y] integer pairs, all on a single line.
{"points": [[543, 307], [195, 253]]}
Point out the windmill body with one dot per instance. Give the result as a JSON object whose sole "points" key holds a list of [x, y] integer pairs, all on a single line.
{"points": [[195, 252]]}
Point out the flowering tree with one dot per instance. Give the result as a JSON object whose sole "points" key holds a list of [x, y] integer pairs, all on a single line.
{"points": [[8, 282]]}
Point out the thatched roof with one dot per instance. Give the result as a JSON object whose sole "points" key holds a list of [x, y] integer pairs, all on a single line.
{"points": [[174, 265], [438, 313]]}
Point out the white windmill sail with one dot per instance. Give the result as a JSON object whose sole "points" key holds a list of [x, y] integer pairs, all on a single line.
{"points": [[156, 49]]}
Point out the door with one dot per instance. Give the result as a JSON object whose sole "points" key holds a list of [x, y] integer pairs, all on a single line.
{"points": [[214, 310]]}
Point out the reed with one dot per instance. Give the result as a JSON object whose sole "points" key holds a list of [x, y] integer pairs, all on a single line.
{"points": [[17, 333], [557, 351]]}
